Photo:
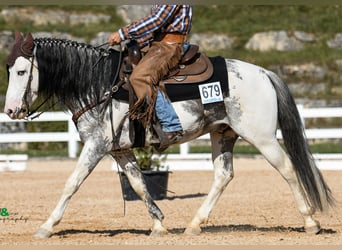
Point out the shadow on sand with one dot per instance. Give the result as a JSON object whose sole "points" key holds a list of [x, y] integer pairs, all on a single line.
{"points": [[205, 229]]}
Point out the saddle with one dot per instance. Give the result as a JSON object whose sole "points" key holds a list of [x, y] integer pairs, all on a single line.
{"points": [[193, 66]]}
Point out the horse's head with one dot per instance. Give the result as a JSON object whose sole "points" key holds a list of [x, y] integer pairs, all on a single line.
{"points": [[23, 77]]}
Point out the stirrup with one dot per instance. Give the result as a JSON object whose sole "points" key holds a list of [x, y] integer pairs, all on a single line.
{"points": [[163, 137]]}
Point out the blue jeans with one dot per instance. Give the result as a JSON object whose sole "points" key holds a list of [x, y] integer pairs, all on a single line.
{"points": [[166, 115]]}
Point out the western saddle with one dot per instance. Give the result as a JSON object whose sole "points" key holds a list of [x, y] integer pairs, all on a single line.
{"points": [[193, 66]]}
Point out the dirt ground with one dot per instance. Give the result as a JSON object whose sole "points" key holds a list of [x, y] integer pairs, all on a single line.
{"points": [[257, 208]]}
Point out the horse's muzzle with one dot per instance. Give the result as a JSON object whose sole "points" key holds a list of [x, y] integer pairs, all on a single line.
{"points": [[18, 113]]}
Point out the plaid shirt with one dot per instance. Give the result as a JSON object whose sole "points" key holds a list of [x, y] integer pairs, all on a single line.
{"points": [[163, 18]]}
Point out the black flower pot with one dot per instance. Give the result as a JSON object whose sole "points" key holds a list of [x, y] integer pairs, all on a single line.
{"points": [[156, 182]]}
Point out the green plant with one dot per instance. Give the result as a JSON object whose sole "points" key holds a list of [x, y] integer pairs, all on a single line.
{"points": [[149, 159]]}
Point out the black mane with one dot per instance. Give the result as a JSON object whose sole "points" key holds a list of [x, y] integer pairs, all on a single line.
{"points": [[74, 73]]}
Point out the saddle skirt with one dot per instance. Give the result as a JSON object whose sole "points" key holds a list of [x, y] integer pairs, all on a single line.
{"points": [[197, 69]]}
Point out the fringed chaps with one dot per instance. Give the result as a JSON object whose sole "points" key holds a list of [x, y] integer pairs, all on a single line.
{"points": [[156, 64]]}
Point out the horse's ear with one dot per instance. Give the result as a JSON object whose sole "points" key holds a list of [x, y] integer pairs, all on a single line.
{"points": [[29, 37], [18, 36], [28, 44]]}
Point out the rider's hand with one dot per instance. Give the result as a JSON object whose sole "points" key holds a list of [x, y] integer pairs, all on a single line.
{"points": [[114, 38]]}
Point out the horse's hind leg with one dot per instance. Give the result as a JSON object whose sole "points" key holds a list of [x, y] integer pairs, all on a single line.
{"points": [[222, 147], [89, 158], [276, 156], [127, 162]]}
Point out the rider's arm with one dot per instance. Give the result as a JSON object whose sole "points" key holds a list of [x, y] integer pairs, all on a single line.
{"points": [[142, 30]]}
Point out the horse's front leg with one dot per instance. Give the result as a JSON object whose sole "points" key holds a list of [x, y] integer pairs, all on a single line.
{"points": [[128, 163], [90, 156], [222, 146]]}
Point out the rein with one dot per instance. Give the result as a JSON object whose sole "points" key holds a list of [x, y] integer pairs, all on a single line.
{"points": [[30, 113]]}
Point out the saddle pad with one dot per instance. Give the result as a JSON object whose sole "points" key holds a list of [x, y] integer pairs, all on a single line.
{"points": [[182, 92]]}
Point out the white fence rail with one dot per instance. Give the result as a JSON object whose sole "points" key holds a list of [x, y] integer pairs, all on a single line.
{"points": [[71, 136]]}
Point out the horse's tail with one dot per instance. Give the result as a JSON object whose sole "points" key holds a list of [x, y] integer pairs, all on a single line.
{"points": [[317, 191]]}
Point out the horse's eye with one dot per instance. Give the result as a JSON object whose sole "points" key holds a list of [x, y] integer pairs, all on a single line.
{"points": [[21, 72]]}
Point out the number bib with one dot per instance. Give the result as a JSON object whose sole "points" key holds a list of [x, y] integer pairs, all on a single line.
{"points": [[210, 92]]}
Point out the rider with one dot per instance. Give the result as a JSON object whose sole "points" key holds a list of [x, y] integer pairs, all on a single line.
{"points": [[164, 33]]}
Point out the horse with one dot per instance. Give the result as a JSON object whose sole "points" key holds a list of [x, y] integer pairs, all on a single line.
{"points": [[77, 75]]}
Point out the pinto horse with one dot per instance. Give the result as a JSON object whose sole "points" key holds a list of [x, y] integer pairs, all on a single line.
{"points": [[255, 101]]}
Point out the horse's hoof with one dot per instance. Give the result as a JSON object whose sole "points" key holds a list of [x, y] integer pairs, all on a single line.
{"points": [[42, 233], [313, 229], [158, 233], [193, 231]]}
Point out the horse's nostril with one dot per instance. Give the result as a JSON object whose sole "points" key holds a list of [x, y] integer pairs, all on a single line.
{"points": [[9, 111]]}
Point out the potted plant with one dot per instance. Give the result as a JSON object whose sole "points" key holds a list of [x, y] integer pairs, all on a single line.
{"points": [[155, 174]]}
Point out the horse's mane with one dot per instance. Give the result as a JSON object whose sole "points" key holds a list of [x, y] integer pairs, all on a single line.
{"points": [[74, 73]]}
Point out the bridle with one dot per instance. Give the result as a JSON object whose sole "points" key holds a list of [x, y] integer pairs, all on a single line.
{"points": [[30, 114]]}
